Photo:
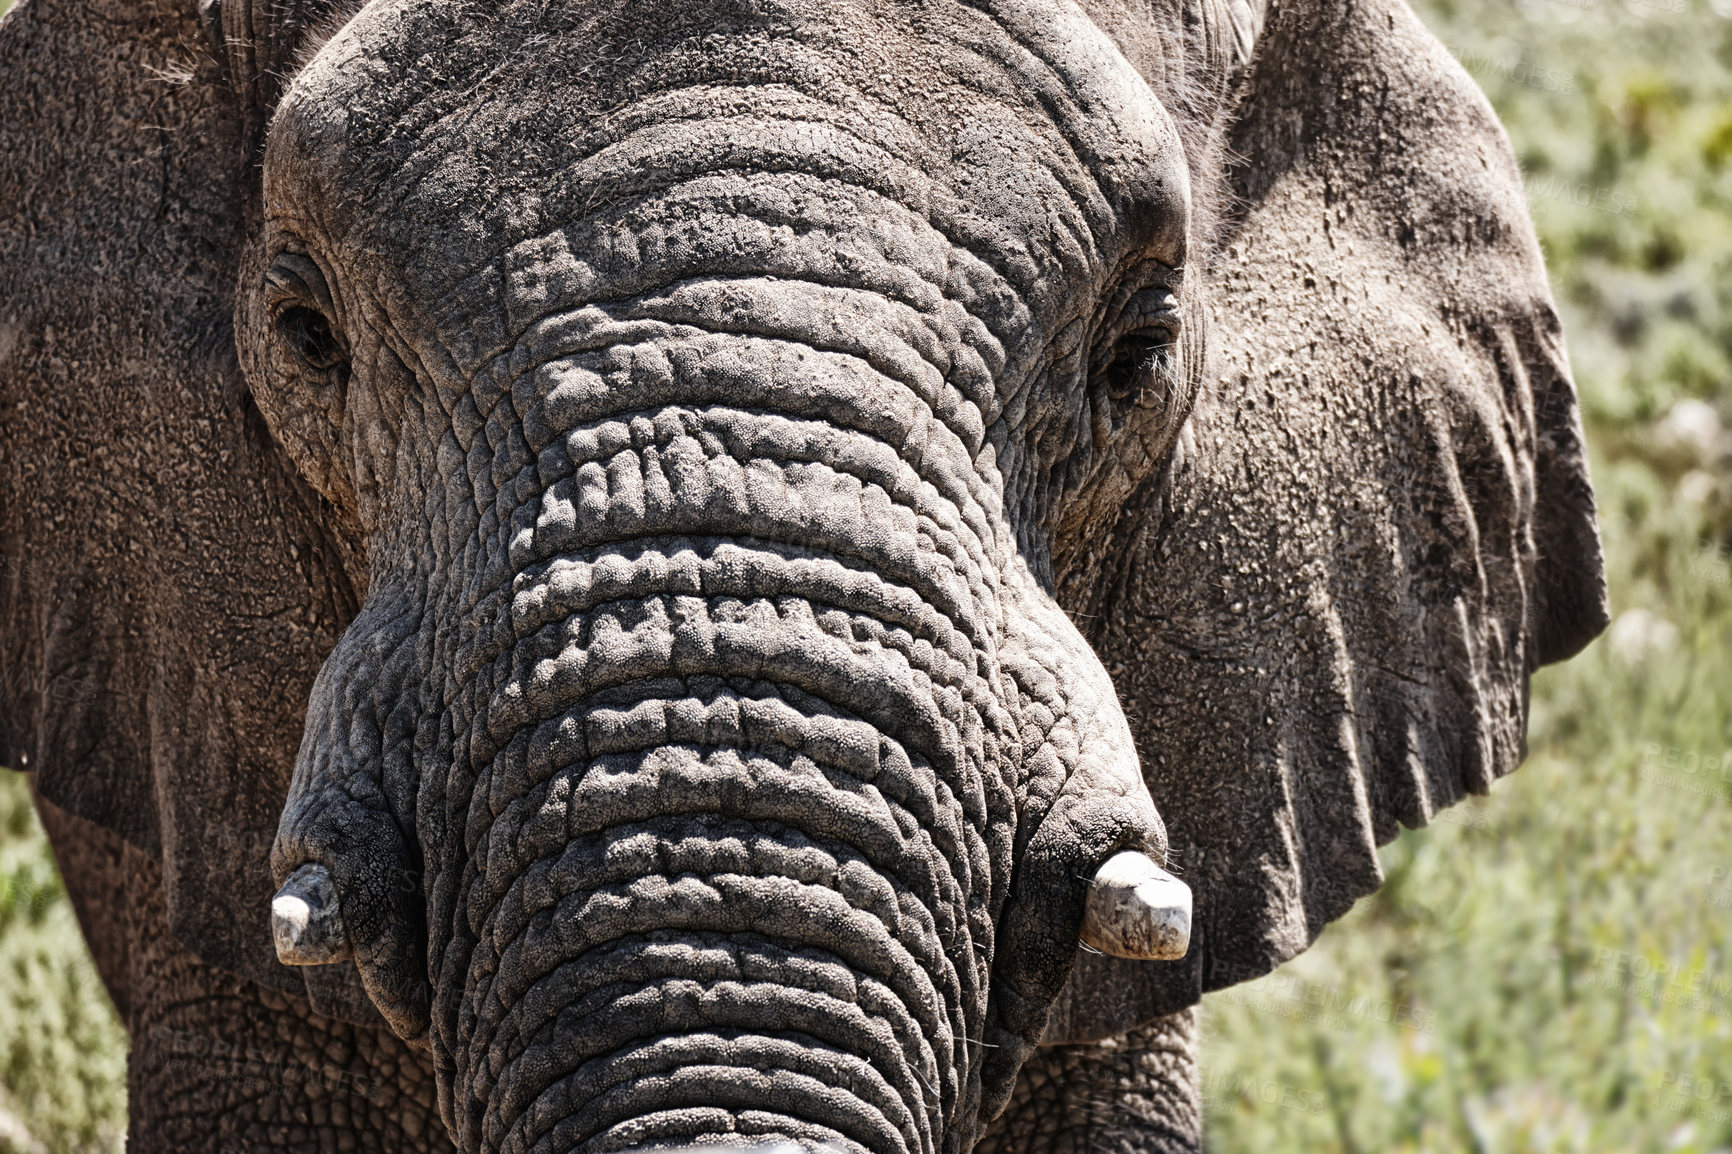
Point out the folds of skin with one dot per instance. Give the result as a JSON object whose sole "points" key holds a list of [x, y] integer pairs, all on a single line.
{"points": [[1138, 1091], [707, 690]]}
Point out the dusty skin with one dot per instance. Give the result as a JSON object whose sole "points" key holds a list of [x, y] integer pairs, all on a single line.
{"points": [[709, 523]]}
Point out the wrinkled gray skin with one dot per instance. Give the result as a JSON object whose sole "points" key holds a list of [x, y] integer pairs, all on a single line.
{"points": [[680, 438]]}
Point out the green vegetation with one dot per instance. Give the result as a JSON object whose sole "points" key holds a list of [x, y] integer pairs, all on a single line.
{"points": [[62, 1050], [1548, 969]]}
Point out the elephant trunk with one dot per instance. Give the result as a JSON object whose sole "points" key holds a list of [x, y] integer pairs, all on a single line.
{"points": [[719, 782], [716, 827], [725, 866]]}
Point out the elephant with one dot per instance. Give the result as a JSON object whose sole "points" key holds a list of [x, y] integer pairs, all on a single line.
{"points": [[625, 575]]}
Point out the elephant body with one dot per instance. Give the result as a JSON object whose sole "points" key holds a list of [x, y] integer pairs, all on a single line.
{"points": [[706, 524]]}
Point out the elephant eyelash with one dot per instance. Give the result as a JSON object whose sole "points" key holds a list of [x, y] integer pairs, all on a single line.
{"points": [[1141, 337], [298, 294], [1138, 359], [309, 334]]}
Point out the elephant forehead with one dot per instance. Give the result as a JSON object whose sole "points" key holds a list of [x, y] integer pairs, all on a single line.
{"points": [[457, 132]]}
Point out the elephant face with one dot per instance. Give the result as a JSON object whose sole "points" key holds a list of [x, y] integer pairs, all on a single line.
{"points": [[655, 459], [706, 387]]}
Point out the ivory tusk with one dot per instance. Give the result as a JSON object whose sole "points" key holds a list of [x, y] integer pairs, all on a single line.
{"points": [[1138, 910], [306, 920]]}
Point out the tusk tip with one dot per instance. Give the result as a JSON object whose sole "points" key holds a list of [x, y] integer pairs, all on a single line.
{"points": [[307, 921], [1137, 910]]}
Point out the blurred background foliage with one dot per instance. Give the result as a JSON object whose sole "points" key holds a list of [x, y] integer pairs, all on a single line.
{"points": [[1547, 969], [62, 1050]]}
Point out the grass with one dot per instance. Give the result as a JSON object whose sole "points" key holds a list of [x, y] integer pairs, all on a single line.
{"points": [[62, 1050], [1547, 969]]}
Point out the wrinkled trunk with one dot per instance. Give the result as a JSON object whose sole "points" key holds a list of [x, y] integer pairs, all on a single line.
{"points": [[723, 729], [713, 707]]}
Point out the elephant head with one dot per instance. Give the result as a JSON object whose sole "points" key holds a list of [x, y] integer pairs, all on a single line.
{"points": [[793, 510]]}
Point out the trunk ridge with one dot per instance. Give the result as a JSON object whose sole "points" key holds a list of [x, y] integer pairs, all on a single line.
{"points": [[723, 739]]}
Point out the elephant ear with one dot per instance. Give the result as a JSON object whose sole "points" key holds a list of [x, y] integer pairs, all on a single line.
{"points": [[1378, 522], [168, 587]]}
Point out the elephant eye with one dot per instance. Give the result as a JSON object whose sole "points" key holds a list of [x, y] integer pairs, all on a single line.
{"points": [[297, 294], [1139, 361], [309, 334]]}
